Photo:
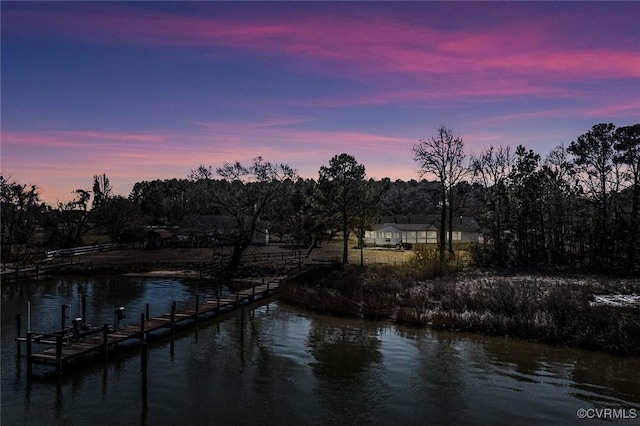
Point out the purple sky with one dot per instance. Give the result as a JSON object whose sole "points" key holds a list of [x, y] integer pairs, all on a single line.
{"points": [[144, 91]]}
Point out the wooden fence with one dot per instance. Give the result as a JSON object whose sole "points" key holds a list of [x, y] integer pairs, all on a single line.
{"points": [[78, 251]]}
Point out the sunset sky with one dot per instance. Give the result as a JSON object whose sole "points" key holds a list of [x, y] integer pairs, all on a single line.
{"points": [[144, 91]]}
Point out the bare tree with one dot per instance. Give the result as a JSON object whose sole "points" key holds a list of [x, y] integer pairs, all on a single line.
{"points": [[19, 209], [442, 157], [245, 194], [101, 190], [492, 169], [69, 222]]}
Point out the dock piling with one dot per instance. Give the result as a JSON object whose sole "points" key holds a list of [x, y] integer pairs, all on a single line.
{"points": [[173, 317], [84, 308], [63, 317], [142, 337], [59, 354], [197, 306], [18, 332], [105, 341], [29, 360], [242, 324], [144, 356]]}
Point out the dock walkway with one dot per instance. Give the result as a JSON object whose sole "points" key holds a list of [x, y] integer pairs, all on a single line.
{"points": [[65, 347]]}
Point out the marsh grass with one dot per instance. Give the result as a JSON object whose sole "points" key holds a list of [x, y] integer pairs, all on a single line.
{"points": [[550, 309]]}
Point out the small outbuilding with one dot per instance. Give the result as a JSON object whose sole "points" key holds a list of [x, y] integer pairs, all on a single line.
{"points": [[157, 238]]}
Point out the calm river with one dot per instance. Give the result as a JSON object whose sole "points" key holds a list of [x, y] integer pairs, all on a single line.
{"points": [[296, 367]]}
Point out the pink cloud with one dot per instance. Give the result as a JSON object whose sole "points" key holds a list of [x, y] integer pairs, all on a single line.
{"points": [[68, 160], [361, 48], [91, 139]]}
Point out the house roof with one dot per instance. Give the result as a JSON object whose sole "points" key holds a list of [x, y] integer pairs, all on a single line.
{"points": [[460, 223], [405, 226]]}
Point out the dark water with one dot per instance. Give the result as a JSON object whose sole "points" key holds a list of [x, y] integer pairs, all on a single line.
{"points": [[299, 368]]}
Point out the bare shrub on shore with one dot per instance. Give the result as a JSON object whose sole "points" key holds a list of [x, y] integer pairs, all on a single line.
{"points": [[532, 308]]}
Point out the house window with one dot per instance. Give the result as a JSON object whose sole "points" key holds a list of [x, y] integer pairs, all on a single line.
{"points": [[387, 235]]}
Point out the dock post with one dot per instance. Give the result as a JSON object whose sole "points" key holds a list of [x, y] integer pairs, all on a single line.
{"points": [[253, 292], [83, 300], [144, 357], [242, 324], [29, 361], [217, 303], [237, 299], [173, 317], [146, 311], [197, 306], [63, 317], [18, 332], [59, 354], [267, 288], [105, 342], [142, 328]]}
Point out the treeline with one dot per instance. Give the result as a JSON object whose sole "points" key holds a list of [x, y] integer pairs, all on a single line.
{"points": [[575, 208]]}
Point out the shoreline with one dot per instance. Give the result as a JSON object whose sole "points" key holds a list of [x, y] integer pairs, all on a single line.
{"points": [[580, 310], [190, 274], [548, 309]]}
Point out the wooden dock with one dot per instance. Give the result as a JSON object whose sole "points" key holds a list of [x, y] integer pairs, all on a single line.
{"points": [[65, 347], [31, 272]]}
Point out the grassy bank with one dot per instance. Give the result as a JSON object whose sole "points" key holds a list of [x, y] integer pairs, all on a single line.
{"points": [[558, 310]]}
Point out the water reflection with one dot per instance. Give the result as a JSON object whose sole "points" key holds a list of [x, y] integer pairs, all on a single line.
{"points": [[283, 365], [348, 368], [343, 354], [539, 363]]}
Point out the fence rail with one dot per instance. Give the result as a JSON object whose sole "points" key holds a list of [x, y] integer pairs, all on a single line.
{"points": [[78, 251]]}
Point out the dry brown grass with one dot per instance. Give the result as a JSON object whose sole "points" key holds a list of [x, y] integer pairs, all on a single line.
{"points": [[545, 308], [332, 251]]}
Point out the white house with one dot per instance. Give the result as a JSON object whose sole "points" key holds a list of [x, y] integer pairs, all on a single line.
{"points": [[395, 234], [407, 231]]}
